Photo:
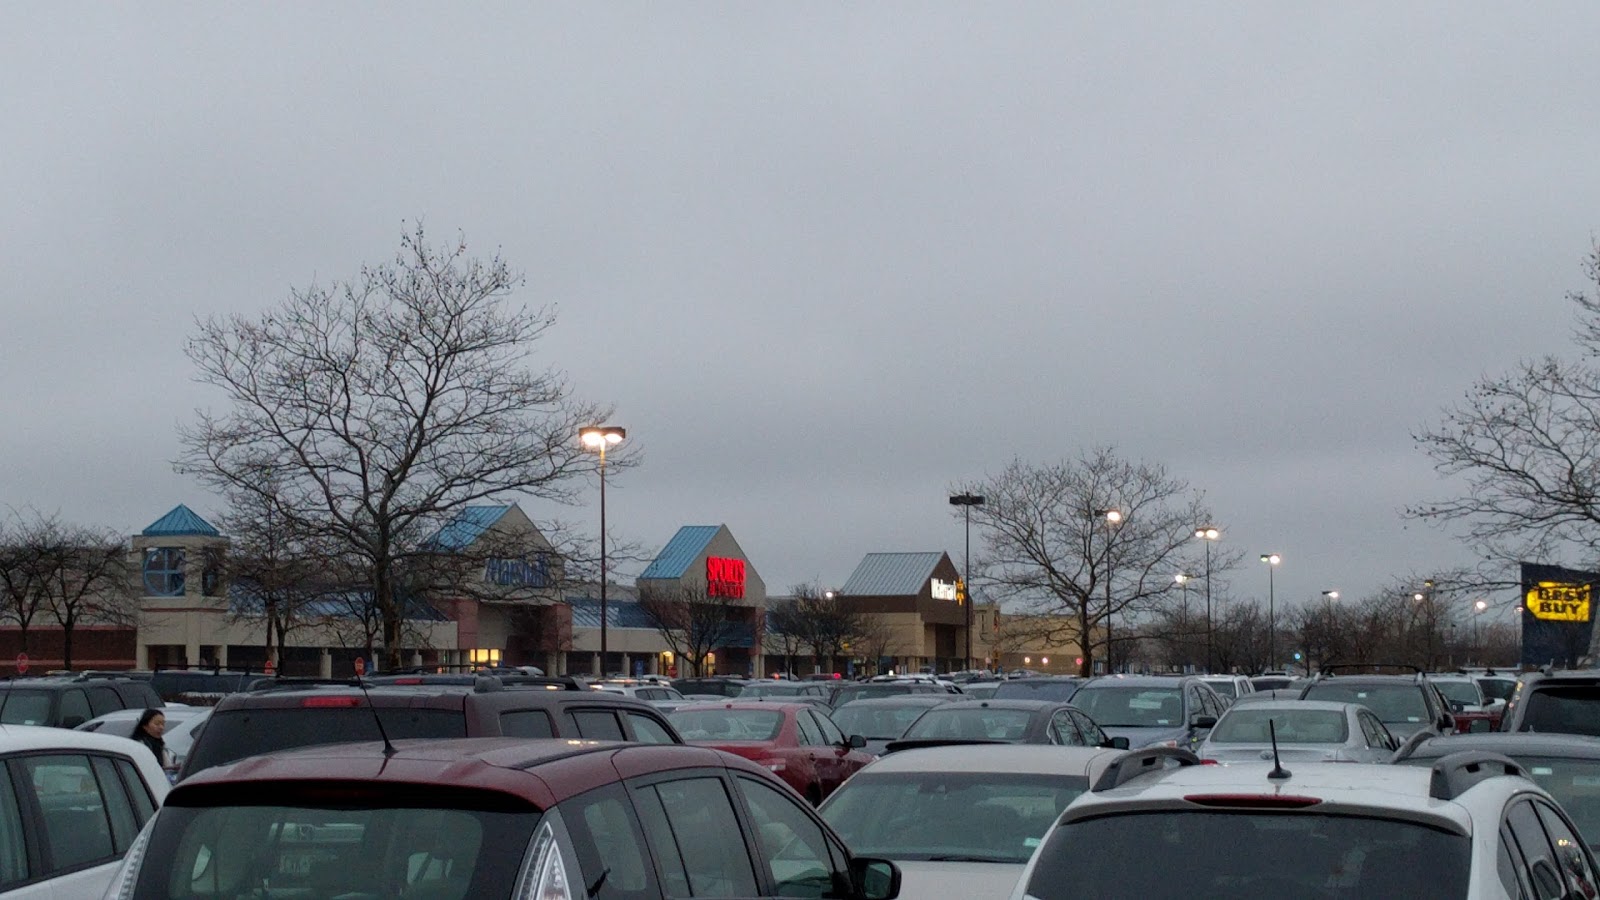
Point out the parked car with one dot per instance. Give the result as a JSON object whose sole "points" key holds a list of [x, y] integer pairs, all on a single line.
{"points": [[787, 690], [494, 818], [884, 719], [980, 690], [1007, 722], [1497, 686], [1229, 687], [69, 701], [1305, 731], [1406, 704], [267, 721], [795, 741], [995, 804], [1151, 710], [721, 685], [1555, 703], [1472, 711], [202, 687], [71, 805], [181, 724], [1566, 765], [1042, 688], [1473, 825], [854, 692], [1278, 682], [661, 697]]}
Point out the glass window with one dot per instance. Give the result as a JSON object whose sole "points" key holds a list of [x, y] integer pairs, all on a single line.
{"points": [[74, 708], [163, 571], [1311, 854], [810, 735], [234, 734], [103, 700], [1571, 709], [124, 825], [529, 723], [830, 732], [607, 841], [702, 839], [1544, 873], [1568, 852], [138, 792], [1038, 689], [1132, 707], [1003, 815], [722, 724], [1510, 866], [658, 831], [876, 722], [73, 812], [1063, 731], [1397, 704], [1253, 725], [979, 723], [1092, 735], [647, 730], [596, 724], [26, 707], [13, 848], [794, 845]]}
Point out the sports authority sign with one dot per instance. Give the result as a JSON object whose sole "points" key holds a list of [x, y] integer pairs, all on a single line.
{"points": [[724, 577], [1557, 615]]}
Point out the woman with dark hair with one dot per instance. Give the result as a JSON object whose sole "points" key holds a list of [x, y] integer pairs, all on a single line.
{"points": [[148, 732]]}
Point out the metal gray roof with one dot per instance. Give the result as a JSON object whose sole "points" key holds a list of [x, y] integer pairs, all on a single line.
{"points": [[683, 549], [891, 574]]}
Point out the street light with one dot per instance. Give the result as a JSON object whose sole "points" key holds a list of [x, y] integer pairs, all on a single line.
{"points": [[1208, 533], [1113, 518], [1272, 560], [1477, 628], [599, 438], [967, 502], [1183, 579], [1328, 597]]}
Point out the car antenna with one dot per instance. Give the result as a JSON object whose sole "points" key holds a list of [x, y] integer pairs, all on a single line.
{"points": [[1278, 771], [388, 748]]}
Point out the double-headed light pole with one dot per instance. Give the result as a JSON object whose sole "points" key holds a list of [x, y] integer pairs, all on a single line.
{"points": [[1272, 560], [600, 438], [1209, 534], [967, 502]]}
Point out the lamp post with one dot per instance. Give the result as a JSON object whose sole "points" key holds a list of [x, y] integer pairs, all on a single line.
{"points": [[1208, 533], [967, 502], [1272, 560], [1477, 628], [1113, 517], [1327, 599], [1182, 579], [599, 438]]}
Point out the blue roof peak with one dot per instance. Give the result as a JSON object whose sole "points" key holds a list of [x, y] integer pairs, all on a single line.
{"points": [[180, 521], [468, 525], [683, 549]]}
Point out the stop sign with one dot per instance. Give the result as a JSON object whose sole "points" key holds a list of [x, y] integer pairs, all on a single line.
{"points": [[268, 668], [361, 666], [22, 663]]}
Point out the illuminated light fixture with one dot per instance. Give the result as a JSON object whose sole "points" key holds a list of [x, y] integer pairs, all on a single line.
{"points": [[599, 438]]}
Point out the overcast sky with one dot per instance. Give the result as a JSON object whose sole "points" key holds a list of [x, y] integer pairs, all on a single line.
{"points": [[829, 259]]}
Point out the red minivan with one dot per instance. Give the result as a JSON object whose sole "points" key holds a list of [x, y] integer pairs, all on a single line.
{"points": [[795, 741]]}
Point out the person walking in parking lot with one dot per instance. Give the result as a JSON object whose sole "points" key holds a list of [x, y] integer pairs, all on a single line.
{"points": [[148, 732]]}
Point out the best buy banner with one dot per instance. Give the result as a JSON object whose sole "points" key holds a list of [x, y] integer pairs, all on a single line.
{"points": [[1557, 615]]}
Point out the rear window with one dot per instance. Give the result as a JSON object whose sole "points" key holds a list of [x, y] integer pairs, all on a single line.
{"points": [[1399, 704], [1132, 707], [874, 721], [334, 850], [1225, 688], [1024, 689], [972, 724], [237, 733], [727, 724], [1569, 709], [23, 707], [866, 691], [1250, 725], [1311, 855]]}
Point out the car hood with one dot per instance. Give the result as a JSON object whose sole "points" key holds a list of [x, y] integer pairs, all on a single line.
{"points": [[920, 880], [1144, 737]]}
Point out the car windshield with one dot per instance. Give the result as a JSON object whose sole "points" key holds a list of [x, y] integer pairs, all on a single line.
{"points": [[332, 851], [23, 707], [1002, 816], [1037, 689], [1398, 704], [1498, 688], [1460, 691], [1570, 709], [971, 724], [722, 724], [876, 721], [983, 691], [1312, 855], [1249, 725], [1132, 707], [1225, 688], [237, 733]]}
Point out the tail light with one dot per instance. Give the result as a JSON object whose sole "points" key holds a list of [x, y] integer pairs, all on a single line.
{"points": [[544, 877], [331, 702], [127, 877]]}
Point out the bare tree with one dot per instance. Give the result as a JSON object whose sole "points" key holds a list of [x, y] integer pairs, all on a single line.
{"points": [[27, 556], [782, 636], [691, 621], [386, 404], [90, 583], [875, 639], [1051, 550], [823, 621]]}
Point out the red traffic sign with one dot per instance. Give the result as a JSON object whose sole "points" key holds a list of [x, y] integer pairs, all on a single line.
{"points": [[361, 666], [22, 663], [268, 668]]}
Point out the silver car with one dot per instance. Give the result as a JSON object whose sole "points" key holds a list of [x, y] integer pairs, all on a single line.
{"points": [[1307, 730]]}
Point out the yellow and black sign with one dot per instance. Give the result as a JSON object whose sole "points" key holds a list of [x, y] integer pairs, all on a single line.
{"points": [[1555, 601]]}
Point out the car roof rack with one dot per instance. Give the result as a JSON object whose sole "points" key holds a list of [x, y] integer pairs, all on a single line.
{"points": [[1142, 762], [1455, 774]]}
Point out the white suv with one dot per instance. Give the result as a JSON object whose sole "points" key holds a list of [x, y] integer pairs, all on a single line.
{"points": [[71, 803], [1472, 826]]}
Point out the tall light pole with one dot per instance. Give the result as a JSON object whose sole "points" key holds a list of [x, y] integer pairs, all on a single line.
{"points": [[1477, 628], [1272, 560], [1208, 533], [1113, 517], [599, 438], [967, 502], [1327, 600], [1182, 578]]}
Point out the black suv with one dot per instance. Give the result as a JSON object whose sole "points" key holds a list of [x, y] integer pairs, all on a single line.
{"points": [[287, 715], [1407, 704], [202, 687], [1555, 702], [70, 701]]}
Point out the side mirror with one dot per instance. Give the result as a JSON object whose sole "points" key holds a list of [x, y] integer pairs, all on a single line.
{"points": [[1203, 722], [856, 742], [874, 879], [1116, 743]]}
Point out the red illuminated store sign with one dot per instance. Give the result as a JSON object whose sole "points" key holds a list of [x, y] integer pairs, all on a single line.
{"points": [[724, 577]]}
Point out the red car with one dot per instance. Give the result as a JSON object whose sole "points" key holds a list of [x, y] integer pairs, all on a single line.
{"points": [[795, 741], [488, 818]]}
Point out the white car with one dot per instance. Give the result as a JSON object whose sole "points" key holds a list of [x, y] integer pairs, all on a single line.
{"points": [[72, 805], [182, 724], [961, 821], [1473, 826], [1305, 730]]}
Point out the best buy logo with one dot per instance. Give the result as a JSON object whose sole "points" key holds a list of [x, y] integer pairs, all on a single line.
{"points": [[1557, 602]]}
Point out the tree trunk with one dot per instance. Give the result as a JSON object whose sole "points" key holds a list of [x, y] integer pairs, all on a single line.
{"points": [[389, 610], [1086, 669], [66, 641]]}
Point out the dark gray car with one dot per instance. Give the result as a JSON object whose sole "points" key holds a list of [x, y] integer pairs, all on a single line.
{"points": [[1152, 710], [884, 719]]}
